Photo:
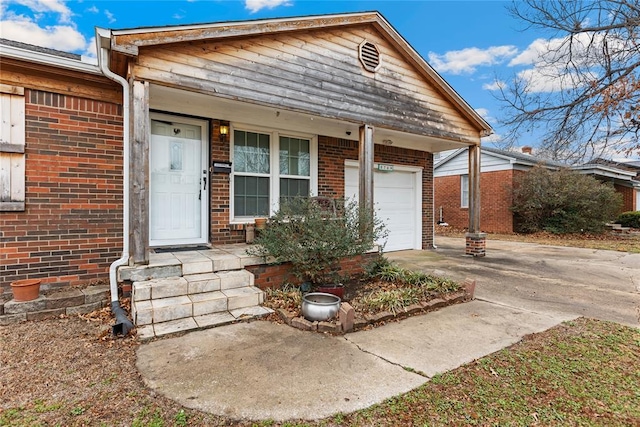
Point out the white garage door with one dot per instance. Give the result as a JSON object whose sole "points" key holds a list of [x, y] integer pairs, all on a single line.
{"points": [[396, 203]]}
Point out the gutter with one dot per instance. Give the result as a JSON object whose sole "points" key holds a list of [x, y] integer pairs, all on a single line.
{"points": [[44, 58], [123, 325]]}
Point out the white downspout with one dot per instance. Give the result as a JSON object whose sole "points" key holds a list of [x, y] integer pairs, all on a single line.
{"points": [[123, 325]]}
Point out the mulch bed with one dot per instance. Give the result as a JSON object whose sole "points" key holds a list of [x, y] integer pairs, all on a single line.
{"points": [[288, 308]]}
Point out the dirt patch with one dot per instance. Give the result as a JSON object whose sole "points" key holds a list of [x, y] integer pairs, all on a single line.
{"points": [[70, 371], [623, 242]]}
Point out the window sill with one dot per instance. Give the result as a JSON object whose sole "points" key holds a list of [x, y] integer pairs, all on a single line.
{"points": [[12, 207]]}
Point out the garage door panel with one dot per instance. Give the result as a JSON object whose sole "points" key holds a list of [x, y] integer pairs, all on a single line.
{"points": [[394, 202]]}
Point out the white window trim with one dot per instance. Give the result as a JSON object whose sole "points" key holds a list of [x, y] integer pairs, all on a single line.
{"points": [[12, 148], [464, 202], [274, 167]]}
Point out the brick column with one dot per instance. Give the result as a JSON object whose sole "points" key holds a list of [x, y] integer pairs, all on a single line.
{"points": [[476, 244]]}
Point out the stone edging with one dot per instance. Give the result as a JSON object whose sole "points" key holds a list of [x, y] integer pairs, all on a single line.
{"points": [[347, 321], [68, 302]]}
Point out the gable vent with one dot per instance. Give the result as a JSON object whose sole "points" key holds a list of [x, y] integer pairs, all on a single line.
{"points": [[369, 56]]}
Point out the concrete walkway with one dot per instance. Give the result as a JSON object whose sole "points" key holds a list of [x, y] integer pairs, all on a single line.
{"points": [[261, 370]]}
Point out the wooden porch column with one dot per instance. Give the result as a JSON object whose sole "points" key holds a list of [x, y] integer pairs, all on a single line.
{"points": [[365, 158], [139, 172], [475, 240]]}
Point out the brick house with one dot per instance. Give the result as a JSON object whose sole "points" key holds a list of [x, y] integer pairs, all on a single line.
{"points": [[60, 167], [183, 136], [498, 171]]}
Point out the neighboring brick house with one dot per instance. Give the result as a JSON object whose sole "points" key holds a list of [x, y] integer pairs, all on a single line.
{"points": [[200, 129], [499, 169], [625, 177]]}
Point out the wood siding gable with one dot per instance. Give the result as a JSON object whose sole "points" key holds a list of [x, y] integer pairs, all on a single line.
{"points": [[316, 72]]}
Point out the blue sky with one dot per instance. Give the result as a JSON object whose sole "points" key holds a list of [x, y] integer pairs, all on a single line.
{"points": [[474, 45]]}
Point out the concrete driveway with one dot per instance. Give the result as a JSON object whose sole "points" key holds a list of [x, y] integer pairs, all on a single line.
{"points": [[546, 279], [261, 370]]}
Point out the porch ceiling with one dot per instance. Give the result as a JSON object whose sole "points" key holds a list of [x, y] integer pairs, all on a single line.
{"points": [[178, 101]]}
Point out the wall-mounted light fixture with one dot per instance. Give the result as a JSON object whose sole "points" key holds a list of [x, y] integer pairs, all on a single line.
{"points": [[224, 131]]}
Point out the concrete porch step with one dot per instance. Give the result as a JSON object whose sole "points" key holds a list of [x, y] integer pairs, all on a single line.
{"points": [[168, 287], [146, 332], [158, 310]]}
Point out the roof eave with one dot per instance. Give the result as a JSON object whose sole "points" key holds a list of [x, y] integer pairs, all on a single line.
{"points": [[221, 30]]}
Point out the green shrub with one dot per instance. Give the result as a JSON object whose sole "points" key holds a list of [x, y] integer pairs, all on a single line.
{"points": [[314, 239], [562, 201], [629, 219], [374, 266]]}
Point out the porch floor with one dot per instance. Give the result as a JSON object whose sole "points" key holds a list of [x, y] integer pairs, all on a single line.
{"points": [[224, 257], [185, 262]]}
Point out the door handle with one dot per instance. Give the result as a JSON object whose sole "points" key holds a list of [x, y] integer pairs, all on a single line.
{"points": [[205, 183]]}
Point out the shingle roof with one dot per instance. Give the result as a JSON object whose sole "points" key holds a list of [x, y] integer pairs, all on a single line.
{"points": [[524, 157], [40, 49]]}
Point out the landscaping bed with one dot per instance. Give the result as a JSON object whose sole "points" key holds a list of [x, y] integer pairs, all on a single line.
{"points": [[385, 293]]}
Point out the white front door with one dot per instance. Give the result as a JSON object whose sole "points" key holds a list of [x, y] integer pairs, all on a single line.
{"points": [[179, 184]]}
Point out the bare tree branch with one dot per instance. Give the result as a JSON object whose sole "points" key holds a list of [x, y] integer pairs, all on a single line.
{"points": [[583, 92]]}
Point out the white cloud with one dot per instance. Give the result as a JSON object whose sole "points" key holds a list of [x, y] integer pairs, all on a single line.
{"points": [[90, 54], [467, 60], [495, 85], [548, 61], [60, 37], [255, 5], [534, 53], [483, 112], [45, 6], [492, 139], [93, 9], [109, 16]]}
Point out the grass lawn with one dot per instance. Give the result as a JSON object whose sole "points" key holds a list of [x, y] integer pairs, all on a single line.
{"points": [[583, 372]]}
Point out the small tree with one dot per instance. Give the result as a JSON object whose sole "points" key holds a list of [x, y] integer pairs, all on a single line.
{"points": [[314, 238], [563, 201]]}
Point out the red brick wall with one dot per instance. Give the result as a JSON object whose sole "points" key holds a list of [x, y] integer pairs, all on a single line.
{"points": [[332, 153], [447, 196], [274, 276], [220, 231], [628, 197], [495, 200], [71, 229]]}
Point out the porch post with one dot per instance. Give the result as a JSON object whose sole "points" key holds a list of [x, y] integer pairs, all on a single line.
{"points": [[139, 190], [475, 240], [365, 159]]}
